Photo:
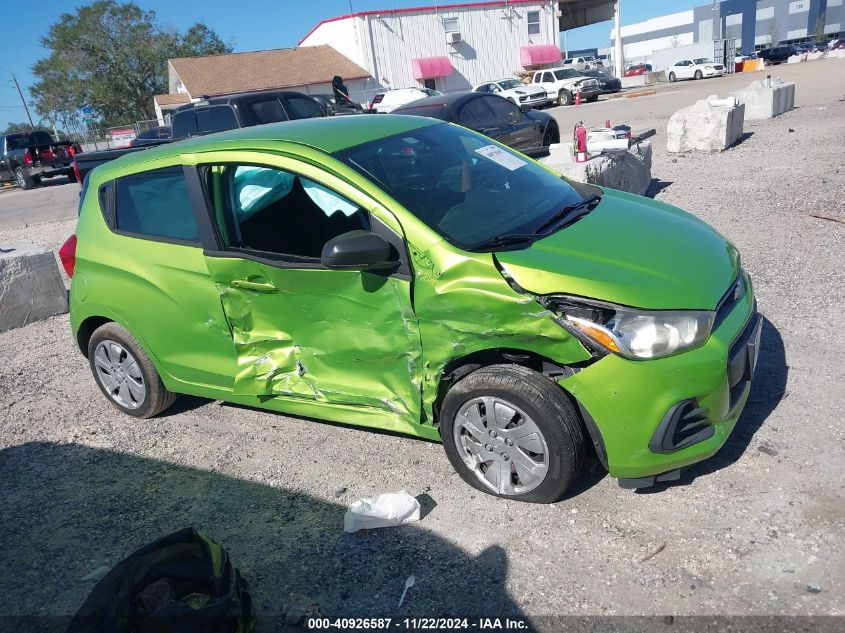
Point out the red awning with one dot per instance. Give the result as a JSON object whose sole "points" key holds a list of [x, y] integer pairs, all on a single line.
{"points": [[431, 67], [540, 54]]}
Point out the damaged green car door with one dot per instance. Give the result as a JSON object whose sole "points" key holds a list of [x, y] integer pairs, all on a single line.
{"points": [[301, 331]]}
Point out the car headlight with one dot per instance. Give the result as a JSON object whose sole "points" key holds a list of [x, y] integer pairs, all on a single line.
{"points": [[632, 333], [708, 68]]}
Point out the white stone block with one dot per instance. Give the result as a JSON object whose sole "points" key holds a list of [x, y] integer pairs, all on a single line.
{"points": [[31, 288], [766, 98], [704, 127]]}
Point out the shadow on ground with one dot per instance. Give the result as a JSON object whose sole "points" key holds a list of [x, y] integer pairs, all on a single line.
{"points": [[656, 186], [66, 510], [767, 390]]}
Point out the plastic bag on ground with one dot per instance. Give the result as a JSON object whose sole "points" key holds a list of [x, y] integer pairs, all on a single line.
{"points": [[386, 510]]}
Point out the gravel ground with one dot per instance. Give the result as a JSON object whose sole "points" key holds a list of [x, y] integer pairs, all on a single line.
{"points": [[757, 530]]}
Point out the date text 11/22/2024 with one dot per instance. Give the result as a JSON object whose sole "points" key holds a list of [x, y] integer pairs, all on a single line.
{"points": [[418, 624]]}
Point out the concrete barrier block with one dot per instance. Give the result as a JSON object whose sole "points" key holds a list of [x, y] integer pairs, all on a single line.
{"points": [[658, 77], [634, 82], [704, 127], [31, 288], [766, 98], [627, 171]]}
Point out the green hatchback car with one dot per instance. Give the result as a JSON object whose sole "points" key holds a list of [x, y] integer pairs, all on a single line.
{"points": [[413, 276]]}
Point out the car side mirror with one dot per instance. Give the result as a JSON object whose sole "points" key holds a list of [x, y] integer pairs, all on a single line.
{"points": [[358, 250], [525, 108]]}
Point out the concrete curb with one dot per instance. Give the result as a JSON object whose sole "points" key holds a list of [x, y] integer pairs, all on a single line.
{"points": [[31, 287]]}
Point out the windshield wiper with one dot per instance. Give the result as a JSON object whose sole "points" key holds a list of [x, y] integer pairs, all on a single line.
{"points": [[508, 239], [569, 214]]}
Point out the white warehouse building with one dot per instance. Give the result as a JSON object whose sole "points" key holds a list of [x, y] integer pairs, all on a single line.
{"points": [[447, 47]]}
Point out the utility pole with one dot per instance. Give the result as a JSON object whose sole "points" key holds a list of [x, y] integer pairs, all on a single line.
{"points": [[617, 48], [23, 101]]}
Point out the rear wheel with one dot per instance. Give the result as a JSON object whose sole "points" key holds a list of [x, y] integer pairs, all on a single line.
{"points": [[125, 374], [564, 98], [698, 74], [511, 432], [23, 179], [71, 175], [672, 77]]}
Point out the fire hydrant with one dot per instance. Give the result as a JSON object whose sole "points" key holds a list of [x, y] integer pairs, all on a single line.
{"points": [[579, 138]]}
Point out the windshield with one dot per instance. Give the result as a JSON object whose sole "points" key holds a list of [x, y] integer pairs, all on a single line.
{"points": [[702, 60], [462, 185], [567, 73], [507, 84]]}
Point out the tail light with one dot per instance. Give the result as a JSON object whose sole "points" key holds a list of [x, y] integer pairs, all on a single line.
{"points": [[47, 154], [27, 158], [67, 253], [76, 172]]}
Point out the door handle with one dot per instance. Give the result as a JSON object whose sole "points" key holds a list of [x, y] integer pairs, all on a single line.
{"points": [[256, 286]]}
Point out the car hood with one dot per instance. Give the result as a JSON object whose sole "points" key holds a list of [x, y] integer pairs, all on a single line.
{"points": [[631, 251]]}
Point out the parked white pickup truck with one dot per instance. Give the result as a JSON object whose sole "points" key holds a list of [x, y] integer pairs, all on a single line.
{"points": [[587, 62], [561, 84]]}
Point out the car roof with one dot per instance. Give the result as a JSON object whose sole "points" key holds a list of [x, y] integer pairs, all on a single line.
{"points": [[225, 99], [448, 99], [328, 134]]}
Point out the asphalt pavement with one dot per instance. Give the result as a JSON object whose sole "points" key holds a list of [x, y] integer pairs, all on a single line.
{"points": [[55, 199]]}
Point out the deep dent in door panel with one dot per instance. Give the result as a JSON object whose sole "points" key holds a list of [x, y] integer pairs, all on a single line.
{"points": [[273, 362]]}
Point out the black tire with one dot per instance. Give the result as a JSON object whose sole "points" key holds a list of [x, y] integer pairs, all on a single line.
{"points": [[551, 411], [551, 135], [698, 74], [71, 175], [593, 99], [564, 98], [672, 78], [157, 397], [23, 179]]}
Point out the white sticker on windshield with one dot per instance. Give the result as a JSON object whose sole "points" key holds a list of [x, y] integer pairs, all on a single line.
{"points": [[500, 156]]}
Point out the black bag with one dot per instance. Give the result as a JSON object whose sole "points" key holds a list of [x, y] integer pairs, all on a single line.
{"points": [[182, 583]]}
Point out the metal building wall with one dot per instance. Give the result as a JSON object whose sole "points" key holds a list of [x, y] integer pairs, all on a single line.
{"points": [[491, 39]]}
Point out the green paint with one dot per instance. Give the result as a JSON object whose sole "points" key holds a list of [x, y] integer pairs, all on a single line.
{"points": [[371, 349]]}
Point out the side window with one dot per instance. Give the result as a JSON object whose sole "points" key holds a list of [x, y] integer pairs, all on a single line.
{"points": [[474, 112], [216, 119], [277, 212], [484, 88], [504, 109], [547, 77], [268, 111], [533, 23], [155, 204], [303, 108]]}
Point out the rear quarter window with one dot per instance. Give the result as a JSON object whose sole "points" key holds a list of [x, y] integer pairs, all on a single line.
{"points": [[216, 119], [155, 205]]}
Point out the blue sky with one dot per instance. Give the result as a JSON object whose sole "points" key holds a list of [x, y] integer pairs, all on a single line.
{"points": [[250, 24]]}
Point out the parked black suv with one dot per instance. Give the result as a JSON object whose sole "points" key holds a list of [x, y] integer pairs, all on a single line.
{"points": [[242, 110], [218, 114], [777, 54]]}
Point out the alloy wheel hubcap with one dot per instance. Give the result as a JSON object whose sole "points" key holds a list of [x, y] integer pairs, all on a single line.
{"points": [[501, 445], [119, 374]]}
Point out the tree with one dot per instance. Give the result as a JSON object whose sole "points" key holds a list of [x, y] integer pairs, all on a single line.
{"points": [[113, 58], [774, 32], [818, 32]]}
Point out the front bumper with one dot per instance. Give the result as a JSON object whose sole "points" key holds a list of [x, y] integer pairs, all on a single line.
{"points": [[713, 72], [628, 401], [533, 100]]}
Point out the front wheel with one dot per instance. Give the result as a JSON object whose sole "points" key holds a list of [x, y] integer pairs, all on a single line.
{"points": [[592, 99], [23, 179], [551, 135], [672, 78], [125, 373], [698, 74], [564, 98], [511, 432]]}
